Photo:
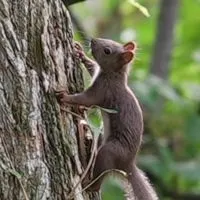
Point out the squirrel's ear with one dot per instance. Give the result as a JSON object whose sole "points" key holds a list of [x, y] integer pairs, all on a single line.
{"points": [[130, 46], [127, 56]]}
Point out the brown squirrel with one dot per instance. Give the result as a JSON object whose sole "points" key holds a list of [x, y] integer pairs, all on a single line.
{"points": [[122, 130]]}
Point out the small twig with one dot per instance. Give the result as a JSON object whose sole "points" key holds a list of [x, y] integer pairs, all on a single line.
{"points": [[103, 173], [94, 145], [72, 113]]}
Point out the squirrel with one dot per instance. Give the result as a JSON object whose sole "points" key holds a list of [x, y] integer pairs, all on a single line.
{"points": [[123, 129]]}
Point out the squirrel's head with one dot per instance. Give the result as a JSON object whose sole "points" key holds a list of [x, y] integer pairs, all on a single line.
{"points": [[110, 55]]}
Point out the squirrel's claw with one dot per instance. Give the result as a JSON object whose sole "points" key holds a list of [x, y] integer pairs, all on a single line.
{"points": [[78, 51], [61, 95]]}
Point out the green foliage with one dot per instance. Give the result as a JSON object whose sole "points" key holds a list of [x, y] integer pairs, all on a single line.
{"points": [[112, 190], [140, 7], [171, 147]]}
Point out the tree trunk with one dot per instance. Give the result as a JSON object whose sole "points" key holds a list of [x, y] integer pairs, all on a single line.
{"points": [[164, 38], [39, 157]]}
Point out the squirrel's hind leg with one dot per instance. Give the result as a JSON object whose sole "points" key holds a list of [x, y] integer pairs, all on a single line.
{"points": [[104, 163]]}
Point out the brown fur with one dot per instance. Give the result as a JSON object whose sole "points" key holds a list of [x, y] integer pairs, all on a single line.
{"points": [[122, 130]]}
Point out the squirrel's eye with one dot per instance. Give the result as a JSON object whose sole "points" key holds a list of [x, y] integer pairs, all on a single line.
{"points": [[107, 51]]}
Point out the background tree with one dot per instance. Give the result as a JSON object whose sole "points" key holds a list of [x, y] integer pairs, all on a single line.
{"points": [[39, 156], [164, 38]]}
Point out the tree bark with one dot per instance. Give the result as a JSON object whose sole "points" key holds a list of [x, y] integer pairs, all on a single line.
{"points": [[39, 157], [164, 38]]}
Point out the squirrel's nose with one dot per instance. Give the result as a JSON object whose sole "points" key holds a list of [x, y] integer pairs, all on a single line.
{"points": [[93, 41]]}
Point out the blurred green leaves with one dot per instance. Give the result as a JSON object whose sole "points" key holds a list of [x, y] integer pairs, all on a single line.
{"points": [[171, 146], [112, 189], [140, 7], [152, 88]]}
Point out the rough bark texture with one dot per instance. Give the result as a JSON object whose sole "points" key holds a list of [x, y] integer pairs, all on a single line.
{"points": [[164, 38], [39, 157]]}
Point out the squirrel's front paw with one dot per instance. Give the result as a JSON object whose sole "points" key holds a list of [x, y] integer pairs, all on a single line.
{"points": [[78, 51], [61, 96]]}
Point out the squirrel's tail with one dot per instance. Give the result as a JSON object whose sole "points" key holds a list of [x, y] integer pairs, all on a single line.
{"points": [[142, 189]]}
